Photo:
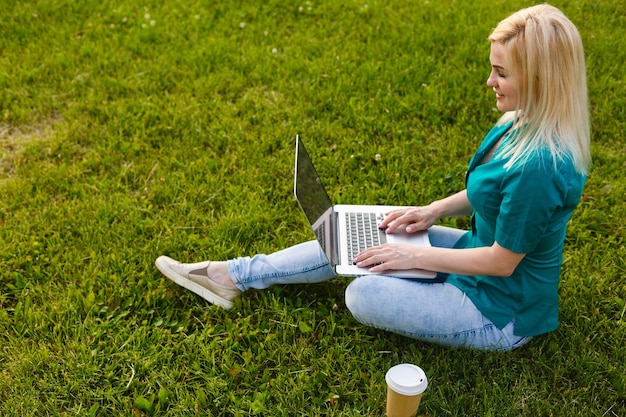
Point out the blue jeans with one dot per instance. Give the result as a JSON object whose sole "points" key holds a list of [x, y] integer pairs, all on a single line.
{"points": [[431, 312]]}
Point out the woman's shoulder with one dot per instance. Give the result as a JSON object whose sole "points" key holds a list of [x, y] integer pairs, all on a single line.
{"points": [[549, 161], [548, 171], [544, 163]]}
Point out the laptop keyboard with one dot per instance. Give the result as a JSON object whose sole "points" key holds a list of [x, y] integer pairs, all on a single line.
{"points": [[363, 232], [320, 234]]}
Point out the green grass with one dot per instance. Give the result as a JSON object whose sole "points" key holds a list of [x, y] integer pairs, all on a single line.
{"points": [[134, 129]]}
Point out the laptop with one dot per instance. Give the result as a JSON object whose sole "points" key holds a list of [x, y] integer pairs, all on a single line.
{"points": [[344, 230]]}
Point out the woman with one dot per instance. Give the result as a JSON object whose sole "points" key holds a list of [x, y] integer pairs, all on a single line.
{"points": [[522, 185]]}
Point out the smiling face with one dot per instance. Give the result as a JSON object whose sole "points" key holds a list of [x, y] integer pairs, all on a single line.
{"points": [[502, 80]]}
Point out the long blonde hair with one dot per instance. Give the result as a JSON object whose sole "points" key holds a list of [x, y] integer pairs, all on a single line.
{"points": [[544, 51]]}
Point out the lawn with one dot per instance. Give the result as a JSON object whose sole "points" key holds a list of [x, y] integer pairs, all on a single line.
{"points": [[134, 129]]}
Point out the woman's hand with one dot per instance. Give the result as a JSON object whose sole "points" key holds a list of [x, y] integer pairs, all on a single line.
{"points": [[388, 257], [411, 219], [414, 219]]}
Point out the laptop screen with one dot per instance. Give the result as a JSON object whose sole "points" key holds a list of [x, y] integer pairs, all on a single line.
{"points": [[308, 187]]}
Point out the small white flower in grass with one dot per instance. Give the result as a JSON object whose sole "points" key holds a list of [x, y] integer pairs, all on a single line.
{"points": [[377, 157], [274, 50], [147, 16], [152, 22], [242, 25]]}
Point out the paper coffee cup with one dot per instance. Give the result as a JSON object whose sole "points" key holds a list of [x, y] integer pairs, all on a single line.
{"points": [[405, 385]]}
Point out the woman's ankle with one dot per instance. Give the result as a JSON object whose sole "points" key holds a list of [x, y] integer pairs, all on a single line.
{"points": [[218, 273]]}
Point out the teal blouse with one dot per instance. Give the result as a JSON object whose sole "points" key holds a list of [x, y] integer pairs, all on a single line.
{"points": [[525, 209]]}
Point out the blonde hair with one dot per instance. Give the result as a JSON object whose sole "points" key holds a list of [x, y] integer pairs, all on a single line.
{"points": [[544, 51]]}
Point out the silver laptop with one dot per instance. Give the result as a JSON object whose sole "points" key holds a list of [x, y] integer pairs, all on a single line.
{"points": [[345, 230]]}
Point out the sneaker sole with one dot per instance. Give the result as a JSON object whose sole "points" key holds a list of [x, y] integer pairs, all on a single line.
{"points": [[192, 286]]}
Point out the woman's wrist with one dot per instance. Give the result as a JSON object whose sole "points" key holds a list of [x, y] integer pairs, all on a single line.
{"points": [[437, 208], [452, 206]]}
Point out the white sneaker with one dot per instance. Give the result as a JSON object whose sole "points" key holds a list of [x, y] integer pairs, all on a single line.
{"points": [[194, 277]]}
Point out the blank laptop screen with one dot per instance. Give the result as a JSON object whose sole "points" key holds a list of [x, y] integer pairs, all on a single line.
{"points": [[308, 187]]}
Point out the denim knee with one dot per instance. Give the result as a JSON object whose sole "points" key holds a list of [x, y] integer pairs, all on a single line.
{"points": [[356, 298]]}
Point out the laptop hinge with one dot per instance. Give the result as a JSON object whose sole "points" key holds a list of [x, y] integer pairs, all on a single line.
{"points": [[334, 238]]}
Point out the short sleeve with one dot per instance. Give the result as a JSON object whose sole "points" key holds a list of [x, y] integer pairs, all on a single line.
{"points": [[531, 195]]}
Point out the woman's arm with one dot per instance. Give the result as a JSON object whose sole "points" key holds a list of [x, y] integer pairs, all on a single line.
{"points": [[452, 206], [489, 260]]}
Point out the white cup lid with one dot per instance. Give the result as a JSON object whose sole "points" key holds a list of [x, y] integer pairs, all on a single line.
{"points": [[407, 379]]}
